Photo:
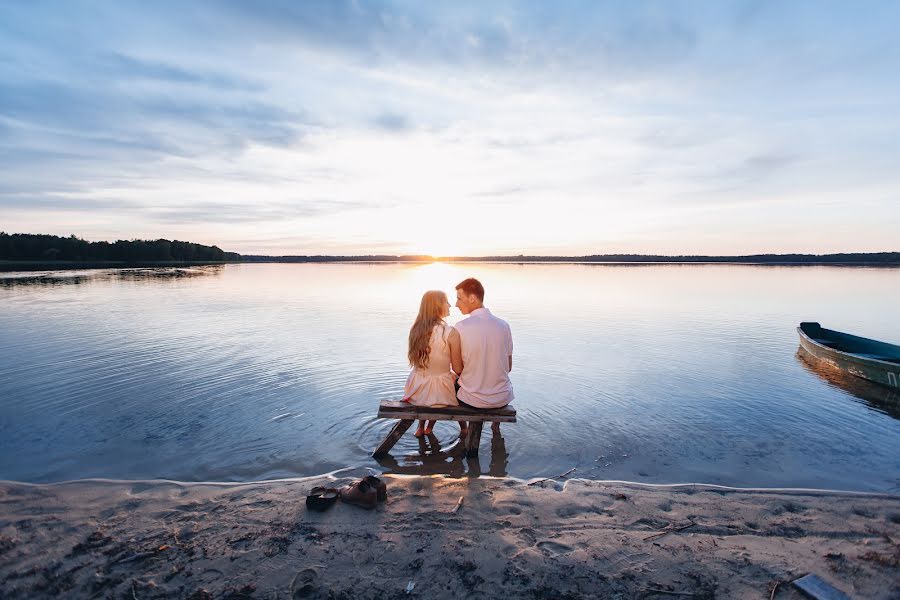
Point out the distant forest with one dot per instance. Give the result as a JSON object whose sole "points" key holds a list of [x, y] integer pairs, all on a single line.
{"points": [[873, 258], [50, 248]]}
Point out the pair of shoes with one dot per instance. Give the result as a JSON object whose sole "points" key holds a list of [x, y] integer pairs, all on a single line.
{"points": [[367, 492], [321, 498]]}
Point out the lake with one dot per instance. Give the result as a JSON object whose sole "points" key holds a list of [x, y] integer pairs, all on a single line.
{"points": [[648, 373]]}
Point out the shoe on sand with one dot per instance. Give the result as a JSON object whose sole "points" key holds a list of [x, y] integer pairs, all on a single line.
{"points": [[321, 498], [379, 485], [360, 493]]}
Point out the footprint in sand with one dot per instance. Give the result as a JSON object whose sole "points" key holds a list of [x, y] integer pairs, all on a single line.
{"points": [[303, 585], [506, 508], [554, 548]]}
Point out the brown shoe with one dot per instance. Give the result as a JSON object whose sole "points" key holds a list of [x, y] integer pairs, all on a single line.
{"points": [[379, 485], [321, 498], [360, 493]]}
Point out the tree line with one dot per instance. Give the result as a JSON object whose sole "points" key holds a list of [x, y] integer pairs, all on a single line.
{"points": [[848, 258], [38, 247]]}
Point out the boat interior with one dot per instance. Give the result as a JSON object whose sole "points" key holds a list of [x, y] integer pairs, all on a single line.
{"points": [[851, 344]]}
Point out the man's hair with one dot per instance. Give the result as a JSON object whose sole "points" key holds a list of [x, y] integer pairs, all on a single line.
{"points": [[472, 286]]}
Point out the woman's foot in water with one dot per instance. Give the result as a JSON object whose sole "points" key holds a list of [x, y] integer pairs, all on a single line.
{"points": [[421, 429], [429, 427]]}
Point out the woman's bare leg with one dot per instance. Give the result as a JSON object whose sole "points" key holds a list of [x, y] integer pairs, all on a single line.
{"points": [[421, 430], [429, 426]]}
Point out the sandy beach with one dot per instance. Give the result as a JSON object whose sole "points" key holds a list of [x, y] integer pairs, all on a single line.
{"points": [[573, 539]]}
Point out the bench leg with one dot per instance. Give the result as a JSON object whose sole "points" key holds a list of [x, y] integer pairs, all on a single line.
{"points": [[473, 438], [391, 439]]}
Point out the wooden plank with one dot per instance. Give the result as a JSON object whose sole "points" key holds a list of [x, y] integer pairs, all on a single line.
{"points": [[404, 410], [473, 439], [396, 433], [435, 416], [814, 587]]}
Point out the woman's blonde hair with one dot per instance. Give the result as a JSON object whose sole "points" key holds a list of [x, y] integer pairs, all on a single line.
{"points": [[430, 310]]}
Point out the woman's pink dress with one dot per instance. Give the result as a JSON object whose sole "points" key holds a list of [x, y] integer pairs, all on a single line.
{"points": [[433, 386]]}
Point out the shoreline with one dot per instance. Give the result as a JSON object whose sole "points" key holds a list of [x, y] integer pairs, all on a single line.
{"points": [[336, 474], [28, 266], [517, 538]]}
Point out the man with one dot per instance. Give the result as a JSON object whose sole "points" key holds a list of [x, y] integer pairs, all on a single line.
{"points": [[483, 358]]}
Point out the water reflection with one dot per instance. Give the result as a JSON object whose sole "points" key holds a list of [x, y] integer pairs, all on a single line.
{"points": [[77, 277], [433, 459], [878, 397]]}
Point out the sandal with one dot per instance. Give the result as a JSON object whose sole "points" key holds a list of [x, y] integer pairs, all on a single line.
{"points": [[360, 493], [379, 485], [321, 498]]}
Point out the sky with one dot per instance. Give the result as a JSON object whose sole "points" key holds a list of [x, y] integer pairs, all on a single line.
{"points": [[455, 128]]}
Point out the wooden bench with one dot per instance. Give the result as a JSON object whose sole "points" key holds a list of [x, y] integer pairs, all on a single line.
{"points": [[408, 414]]}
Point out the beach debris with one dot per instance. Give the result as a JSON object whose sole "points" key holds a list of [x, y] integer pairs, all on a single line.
{"points": [[774, 589], [669, 592], [459, 504], [134, 557], [412, 584], [572, 470], [815, 587], [668, 531], [885, 560]]}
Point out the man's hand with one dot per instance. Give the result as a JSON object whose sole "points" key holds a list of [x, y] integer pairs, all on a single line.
{"points": [[456, 360]]}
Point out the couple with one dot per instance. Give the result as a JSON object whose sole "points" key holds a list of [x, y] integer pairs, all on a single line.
{"points": [[478, 350]]}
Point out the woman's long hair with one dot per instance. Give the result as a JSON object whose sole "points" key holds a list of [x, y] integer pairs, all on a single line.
{"points": [[430, 310]]}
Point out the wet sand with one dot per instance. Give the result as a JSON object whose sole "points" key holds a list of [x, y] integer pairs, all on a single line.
{"points": [[579, 539]]}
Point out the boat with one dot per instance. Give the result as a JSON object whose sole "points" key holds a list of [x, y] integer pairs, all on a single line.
{"points": [[884, 399], [869, 359]]}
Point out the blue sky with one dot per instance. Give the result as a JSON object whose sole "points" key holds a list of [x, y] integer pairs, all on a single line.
{"points": [[455, 128]]}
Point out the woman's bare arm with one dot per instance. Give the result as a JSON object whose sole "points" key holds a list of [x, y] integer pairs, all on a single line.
{"points": [[456, 360]]}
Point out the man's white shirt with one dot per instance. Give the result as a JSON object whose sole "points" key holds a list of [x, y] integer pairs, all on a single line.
{"points": [[486, 343]]}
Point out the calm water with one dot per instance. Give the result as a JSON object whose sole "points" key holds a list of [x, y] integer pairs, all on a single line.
{"points": [[644, 373]]}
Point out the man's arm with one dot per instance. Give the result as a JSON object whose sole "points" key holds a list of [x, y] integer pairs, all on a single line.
{"points": [[456, 360]]}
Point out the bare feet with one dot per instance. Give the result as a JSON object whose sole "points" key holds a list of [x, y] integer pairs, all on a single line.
{"points": [[429, 426], [421, 430]]}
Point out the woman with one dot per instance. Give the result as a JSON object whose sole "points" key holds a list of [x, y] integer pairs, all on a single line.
{"points": [[431, 382]]}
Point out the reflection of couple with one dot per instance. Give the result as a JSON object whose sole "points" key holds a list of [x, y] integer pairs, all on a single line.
{"points": [[478, 350]]}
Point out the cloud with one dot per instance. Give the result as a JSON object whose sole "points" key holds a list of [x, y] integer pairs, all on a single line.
{"points": [[391, 122], [250, 212], [57, 203], [768, 162], [123, 67]]}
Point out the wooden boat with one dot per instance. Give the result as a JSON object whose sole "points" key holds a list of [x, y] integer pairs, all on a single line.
{"points": [[869, 359]]}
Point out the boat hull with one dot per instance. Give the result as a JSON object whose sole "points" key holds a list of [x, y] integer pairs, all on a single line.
{"points": [[883, 372]]}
